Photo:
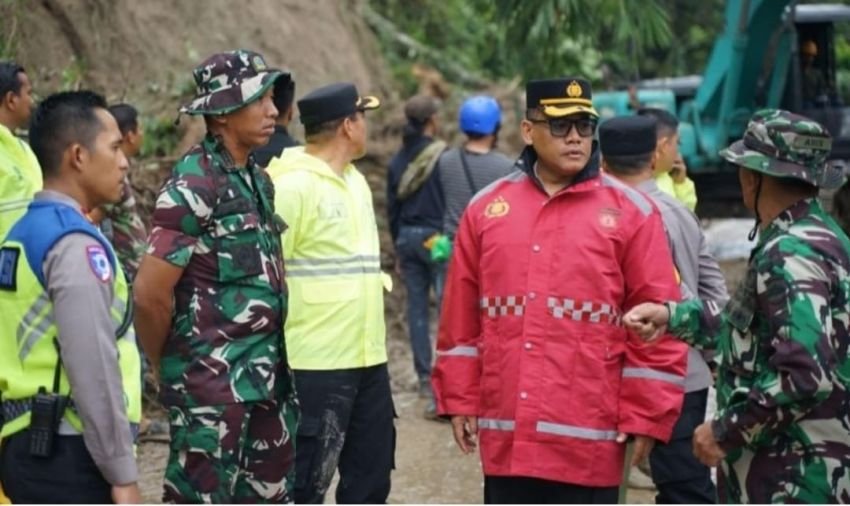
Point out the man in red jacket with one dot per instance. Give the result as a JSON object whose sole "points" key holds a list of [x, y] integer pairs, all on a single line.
{"points": [[532, 358]]}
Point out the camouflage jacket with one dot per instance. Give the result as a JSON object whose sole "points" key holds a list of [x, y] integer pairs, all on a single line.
{"points": [[784, 376], [217, 222], [126, 230]]}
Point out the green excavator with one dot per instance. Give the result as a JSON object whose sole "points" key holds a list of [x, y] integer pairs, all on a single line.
{"points": [[772, 53]]}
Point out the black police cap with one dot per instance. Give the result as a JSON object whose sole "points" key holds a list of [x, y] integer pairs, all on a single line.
{"points": [[333, 101], [560, 97], [627, 135]]}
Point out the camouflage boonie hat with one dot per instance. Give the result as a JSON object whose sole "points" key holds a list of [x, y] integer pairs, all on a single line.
{"points": [[227, 81], [783, 144]]}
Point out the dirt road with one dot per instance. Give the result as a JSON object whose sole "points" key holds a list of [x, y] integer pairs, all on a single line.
{"points": [[429, 467]]}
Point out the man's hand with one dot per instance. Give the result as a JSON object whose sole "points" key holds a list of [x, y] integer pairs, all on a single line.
{"points": [[648, 320], [642, 446], [126, 494], [706, 448], [465, 430], [679, 172]]}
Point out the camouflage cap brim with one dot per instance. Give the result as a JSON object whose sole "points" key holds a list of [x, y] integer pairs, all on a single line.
{"points": [[230, 98], [738, 154], [559, 111]]}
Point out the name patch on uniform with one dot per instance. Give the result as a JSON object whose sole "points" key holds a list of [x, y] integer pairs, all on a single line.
{"points": [[9, 268], [99, 263]]}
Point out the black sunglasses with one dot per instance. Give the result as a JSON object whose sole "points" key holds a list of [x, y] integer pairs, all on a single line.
{"points": [[560, 127]]}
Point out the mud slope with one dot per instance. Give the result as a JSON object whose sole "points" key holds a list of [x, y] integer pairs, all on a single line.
{"points": [[143, 50]]}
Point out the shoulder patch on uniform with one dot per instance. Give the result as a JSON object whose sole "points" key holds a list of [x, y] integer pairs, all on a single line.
{"points": [[99, 263], [9, 268]]}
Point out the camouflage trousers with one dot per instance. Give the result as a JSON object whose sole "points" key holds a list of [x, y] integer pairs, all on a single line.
{"points": [[234, 453]]}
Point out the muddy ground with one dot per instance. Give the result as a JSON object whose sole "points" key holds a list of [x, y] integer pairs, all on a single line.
{"points": [[429, 467]]}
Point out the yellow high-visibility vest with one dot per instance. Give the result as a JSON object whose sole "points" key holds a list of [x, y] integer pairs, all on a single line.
{"points": [[28, 353]]}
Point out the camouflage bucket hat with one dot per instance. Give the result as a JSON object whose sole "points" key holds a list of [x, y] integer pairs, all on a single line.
{"points": [[783, 144], [227, 81]]}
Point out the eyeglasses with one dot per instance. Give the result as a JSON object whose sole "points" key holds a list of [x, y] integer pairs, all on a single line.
{"points": [[560, 127]]}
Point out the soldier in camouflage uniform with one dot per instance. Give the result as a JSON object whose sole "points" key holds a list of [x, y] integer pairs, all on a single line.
{"points": [[782, 429], [215, 246]]}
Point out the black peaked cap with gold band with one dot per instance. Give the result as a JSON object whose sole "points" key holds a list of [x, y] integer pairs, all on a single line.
{"points": [[333, 101], [560, 97]]}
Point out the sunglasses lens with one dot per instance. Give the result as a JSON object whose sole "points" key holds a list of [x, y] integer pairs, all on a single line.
{"points": [[562, 127], [585, 127], [559, 127]]}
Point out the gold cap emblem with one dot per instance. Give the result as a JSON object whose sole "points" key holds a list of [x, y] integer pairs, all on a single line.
{"points": [[574, 90]]}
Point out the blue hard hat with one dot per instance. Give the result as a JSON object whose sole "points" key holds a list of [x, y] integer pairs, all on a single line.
{"points": [[480, 115]]}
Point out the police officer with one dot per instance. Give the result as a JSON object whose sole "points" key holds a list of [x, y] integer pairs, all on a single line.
{"points": [[628, 147], [336, 337], [532, 361], [780, 433], [69, 367], [212, 300]]}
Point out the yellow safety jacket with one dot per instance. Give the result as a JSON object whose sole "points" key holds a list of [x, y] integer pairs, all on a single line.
{"points": [[332, 256], [685, 192], [28, 351], [20, 178]]}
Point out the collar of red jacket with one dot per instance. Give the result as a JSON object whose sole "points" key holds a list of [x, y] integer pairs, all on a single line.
{"points": [[528, 158]]}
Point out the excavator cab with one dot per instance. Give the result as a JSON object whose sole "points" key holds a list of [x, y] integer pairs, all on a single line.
{"points": [[771, 54], [813, 88]]}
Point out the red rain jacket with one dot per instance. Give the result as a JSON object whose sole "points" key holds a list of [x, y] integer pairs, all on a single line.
{"points": [[530, 336]]}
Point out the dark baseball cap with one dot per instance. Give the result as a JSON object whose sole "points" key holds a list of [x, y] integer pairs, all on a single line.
{"points": [[333, 101], [627, 136]]}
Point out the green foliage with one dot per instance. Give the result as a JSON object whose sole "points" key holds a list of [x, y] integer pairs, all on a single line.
{"points": [[161, 136], [625, 28], [610, 41], [73, 74]]}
